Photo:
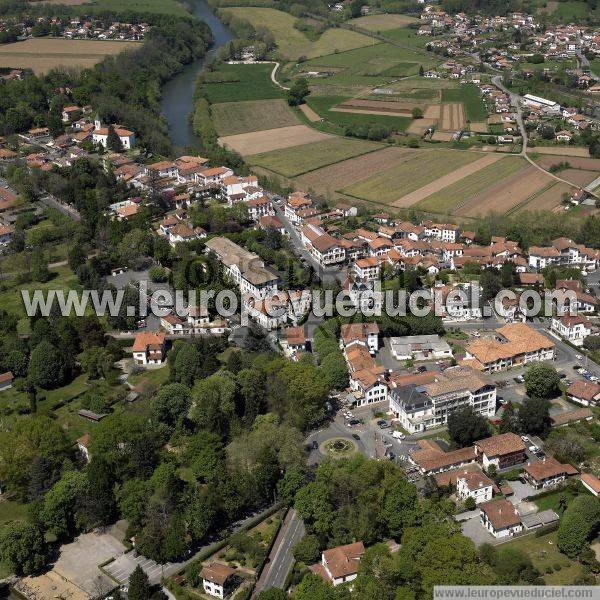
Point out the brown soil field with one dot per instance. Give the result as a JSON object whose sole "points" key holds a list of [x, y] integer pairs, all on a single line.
{"points": [[372, 107], [443, 182], [309, 113], [479, 127], [432, 111], [62, 2], [272, 139], [43, 54], [562, 150], [494, 119], [548, 199], [587, 164], [442, 136], [453, 116], [505, 195], [362, 111], [420, 126], [578, 177], [351, 171]]}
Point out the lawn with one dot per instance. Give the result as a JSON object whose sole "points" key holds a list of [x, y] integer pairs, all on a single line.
{"points": [[447, 200], [545, 556], [252, 82], [12, 511], [292, 43], [382, 22], [231, 118], [408, 37], [551, 501], [469, 95], [571, 10], [151, 376], [425, 167], [291, 162], [323, 105]]}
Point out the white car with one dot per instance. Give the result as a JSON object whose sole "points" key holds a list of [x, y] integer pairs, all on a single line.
{"points": [[398, 435], [579, 357]]}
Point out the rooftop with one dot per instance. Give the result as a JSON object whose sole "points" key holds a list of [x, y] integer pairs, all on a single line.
{"points": [[501, 513], [500, 445]]}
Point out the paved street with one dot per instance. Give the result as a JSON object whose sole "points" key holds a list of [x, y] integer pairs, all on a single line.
{"points": [[281, 560]]}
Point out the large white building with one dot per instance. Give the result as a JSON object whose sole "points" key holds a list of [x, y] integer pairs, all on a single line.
{"points": [[422, 407]]}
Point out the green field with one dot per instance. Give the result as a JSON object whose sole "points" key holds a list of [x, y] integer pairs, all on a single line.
{"points": [[469, 95], [425, 167], [383, 22], [369, 65], [543, 554], [167, 7], [571, 10], [292, 43], [231, 118], [323, 105], [253, 83], [407, 37], [291, 162], [465, 189]]}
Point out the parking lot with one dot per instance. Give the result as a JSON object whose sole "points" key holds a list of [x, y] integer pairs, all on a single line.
{"points": [[122, 567]]}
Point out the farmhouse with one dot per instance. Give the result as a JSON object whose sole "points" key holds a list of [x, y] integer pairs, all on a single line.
{"points": [[419, 407], [547, 472], [514, 344], [502, 451], [149, 348], [245, 268], [500, 518], [340, 565]]}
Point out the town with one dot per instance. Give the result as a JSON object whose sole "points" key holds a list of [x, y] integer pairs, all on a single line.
{"points": [[299, 301]]}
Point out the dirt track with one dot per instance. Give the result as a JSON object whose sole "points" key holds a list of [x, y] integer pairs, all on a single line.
{"points": [[445, 181], [309, 113]]}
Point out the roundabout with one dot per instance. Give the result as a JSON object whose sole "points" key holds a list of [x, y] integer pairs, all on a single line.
{"points": [[338, 447]]}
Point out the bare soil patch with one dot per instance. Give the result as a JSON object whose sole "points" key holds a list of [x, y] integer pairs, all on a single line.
{"points": [[452, 116], [562, 151], [375, 107], [272, 139], [420, 126], [445, 181], [309, 113], [547, 200], [587, 164], [578, 177], [505, 195], [479, 127], [432, 111], [442, 136]]}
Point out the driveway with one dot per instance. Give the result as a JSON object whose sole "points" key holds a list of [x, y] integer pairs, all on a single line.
{"points": [[473, 529]]}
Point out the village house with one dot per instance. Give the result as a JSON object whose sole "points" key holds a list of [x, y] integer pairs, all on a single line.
{"points": [[367, 269], [430, 459], [294, 341], [591, 483], [340, 565], [547, 472], [218, 580], [322, 246], [6, 381], [6, 234], [365, 334], [572, 416], [100, 135], [500, 518], [474, 485], [149, 348], [573, 328], [586, 393], [503, 451], [182, 233]]}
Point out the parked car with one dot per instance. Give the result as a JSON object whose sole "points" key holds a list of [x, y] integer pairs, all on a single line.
{"points": [[353, 422], [579, 357], [422, 369], [391, 455], [315, 444], [383, 424], [398, 435]]}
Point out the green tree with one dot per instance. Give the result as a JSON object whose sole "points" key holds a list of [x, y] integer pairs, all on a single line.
{"points": [[578, 523], [186, 364], [59, 510], [113, 141], [541, 381], [139, 585], [534, 416], [171, 404], [48, 368], [465, 426], [96, 362], [39, 266], [214, 402], [298, 91], [22, 547], [307, 550]]}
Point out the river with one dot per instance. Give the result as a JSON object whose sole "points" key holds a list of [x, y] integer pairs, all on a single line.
{"points": [[177, 101]]}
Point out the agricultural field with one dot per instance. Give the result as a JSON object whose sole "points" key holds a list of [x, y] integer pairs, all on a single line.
{"points": [[452, 116], [235, 83], [231, 118], [383, 22], [43, 54], [258, 142], [371, 65], [167, 7], [548, 199], [327, 181], [469, 95], [561, 151], [297, 160], [407, 37], [508, 194], [323, 106], [292, 43], [422, 168], [451, 196]]}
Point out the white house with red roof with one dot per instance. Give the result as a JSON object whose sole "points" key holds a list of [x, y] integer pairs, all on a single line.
{"points": [[100, 135], [149, 348], [340, 565], [573, 328]]}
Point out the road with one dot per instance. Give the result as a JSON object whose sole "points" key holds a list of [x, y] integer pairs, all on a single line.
{"points": [[52, 202], [281, 560], [515, 100]]}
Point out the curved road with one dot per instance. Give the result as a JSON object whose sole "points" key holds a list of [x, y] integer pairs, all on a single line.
{"points": [[515, 99]]}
